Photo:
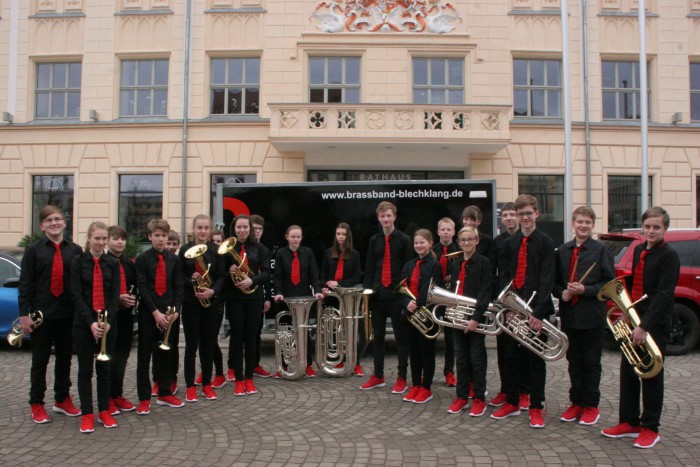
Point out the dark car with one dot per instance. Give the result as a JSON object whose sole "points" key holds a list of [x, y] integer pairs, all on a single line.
{"points": [[9, 281], [686, 323]]}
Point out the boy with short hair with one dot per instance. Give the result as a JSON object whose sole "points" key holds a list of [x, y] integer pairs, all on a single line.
{"points": [[446, 233], [173, 243], [472, 217], [258, 223]]}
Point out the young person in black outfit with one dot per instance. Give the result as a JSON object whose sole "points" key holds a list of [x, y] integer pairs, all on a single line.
{"points": [[582, 314], [530, 257], [468, 280], [341, 268], [160, 283], [124, 331], [258, 223], [472, 217], [296, 275], [387, 252], [655, 272], [419, 273], [200, 316], [245, 309], [95, 289], [44, 285]]}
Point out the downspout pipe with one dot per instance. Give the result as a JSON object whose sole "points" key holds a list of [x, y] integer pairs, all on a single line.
{"points": [[586, 98], [568, 171], [185, 117]]}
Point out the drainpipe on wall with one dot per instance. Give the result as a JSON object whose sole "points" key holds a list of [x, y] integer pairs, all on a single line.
{"points": [[644, 104], [185, 117], [586, 98], [568, 175]]}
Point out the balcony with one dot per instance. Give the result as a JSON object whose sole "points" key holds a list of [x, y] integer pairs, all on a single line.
{"points": [[453, 129]]}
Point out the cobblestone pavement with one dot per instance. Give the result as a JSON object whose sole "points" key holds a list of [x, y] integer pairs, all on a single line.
{"points": [[331, 422]]}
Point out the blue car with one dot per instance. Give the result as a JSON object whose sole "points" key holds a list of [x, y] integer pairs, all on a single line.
{"points": [[9, 281]]}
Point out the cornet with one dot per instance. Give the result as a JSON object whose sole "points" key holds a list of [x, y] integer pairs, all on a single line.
{"points": [[203, 281], [243, 272], [421, 319], [460, 309], [165, 343], [16, 335], [102, 322]]}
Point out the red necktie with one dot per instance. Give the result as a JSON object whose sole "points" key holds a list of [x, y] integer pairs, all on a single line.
{"points": [[638, 283], [339, 269], [98, 295], [386, 263], [198, 268], [122, 279], [415, 277], [296, 274], [244, 256], [573, 273], [57, 272], [519, 281], [462, 275], [443, 261], [160, 285]]}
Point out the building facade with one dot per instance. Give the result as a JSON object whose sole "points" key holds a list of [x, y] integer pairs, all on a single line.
{"points": [[94, 118]]}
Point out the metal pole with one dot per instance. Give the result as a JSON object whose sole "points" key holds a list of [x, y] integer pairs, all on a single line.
{"points": [[12, 58], [185, 117], [644, 109], [586, 98], [568, 170]]}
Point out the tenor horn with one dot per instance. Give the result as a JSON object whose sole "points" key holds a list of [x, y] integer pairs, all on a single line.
{"points": [[243, 271], [290, 339], [203, 281], [421, 319], [460, 309], [16, 335], [337, 330]]}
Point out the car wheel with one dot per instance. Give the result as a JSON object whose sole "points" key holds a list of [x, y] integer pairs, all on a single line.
{"points": [[685, 331]]}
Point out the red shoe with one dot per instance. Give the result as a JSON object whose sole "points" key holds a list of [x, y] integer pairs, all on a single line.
{"points": [[250, 386], [87, 423], [209, 393], [198, 380], [450, 380], [191, 394], [507, 410], [589, 416], [154, 390], [339, 365], [499, 400], [113, 410], [571, 413], [107, 420], [536, 419], [458, 405], [123, 404], [471, 390], [218, 382], [260, 371], [478, 408], [524, 402], [66, 407], [144, 408], [374, 382], [239, 388], [424, 395], [278, 375], [39, 414], [646, 439], [230, 375], [170, 401], [173, 388], [412, 393], [623, 430], [359, 371], [310, 373], [400, 386]]}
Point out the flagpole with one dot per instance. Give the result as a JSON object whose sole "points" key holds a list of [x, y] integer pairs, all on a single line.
{"points": [[568, 169], [643, 101]]}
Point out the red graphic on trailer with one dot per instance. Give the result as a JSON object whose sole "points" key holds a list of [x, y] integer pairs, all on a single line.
{"points": [[236, 206]]}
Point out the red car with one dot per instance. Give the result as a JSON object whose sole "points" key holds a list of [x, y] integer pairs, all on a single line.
{"points": [[686, 322]]}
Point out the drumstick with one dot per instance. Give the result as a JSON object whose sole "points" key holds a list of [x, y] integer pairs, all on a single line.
{"points": [[573, 270], [587, 273]]}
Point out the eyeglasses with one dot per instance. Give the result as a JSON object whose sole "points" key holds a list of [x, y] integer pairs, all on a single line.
{"points": [[257, 229], [467, 240], [526, 214], [51, 220]]}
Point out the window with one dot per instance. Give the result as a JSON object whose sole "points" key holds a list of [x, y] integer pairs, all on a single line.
{"points": [[686, 252], [8, 271], [58, 90], [140, 200], [537, 88], [235, 86], [144, 88], [621, 98], [549, 191], [438, 81], [625, 201], [695, 92], [56, 190], [334, 79]]}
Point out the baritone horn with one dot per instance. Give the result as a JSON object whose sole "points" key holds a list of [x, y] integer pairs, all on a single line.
{"points": [[421, 319], [290, 339], [102, 323], [460, 309], [16, 335], [337, 330], [243, 270], [203, 281], [646, 358]]}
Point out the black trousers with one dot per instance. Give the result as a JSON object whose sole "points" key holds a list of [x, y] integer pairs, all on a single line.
{"points": [[422, 352], [86, 347], [449, 334], [470, 349], [584, 354], [515, 354], [122, 349], [55, 333], [244, 318], [217, 356], [381, 310], [173, 356], [198, 323], [149, 338]]}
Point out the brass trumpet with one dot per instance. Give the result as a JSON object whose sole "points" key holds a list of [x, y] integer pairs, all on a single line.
{"points": [[165, 343], [102, 322], [243, 270], [16, 335], [421, 319], [203, 281]]}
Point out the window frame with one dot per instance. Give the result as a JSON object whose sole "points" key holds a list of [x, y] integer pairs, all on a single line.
{"points": [[447, 88], [135, 88], [344, 86], [135, 224], [227, 86], [546, 88], [617, 91], [694, 72], [623, 207], [56, 197], [51, 90], [549, 201]]}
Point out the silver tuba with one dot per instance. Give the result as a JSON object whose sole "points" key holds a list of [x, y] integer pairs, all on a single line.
{"points": [[460, 309], [290, 339], [518, 327], [337, 332]]}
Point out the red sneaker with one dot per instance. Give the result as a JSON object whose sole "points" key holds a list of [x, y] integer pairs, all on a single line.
{"points": [[310, 373], [278, 375], [260, 371], [39, 414], [230, 375], [524, 403], [571, 413], [191, 394], [66, 407], [173, 388], [170, 401], [646, 439], [250, 386], [106, 419], [412, 393], [623, 430], [507, 410], [239, 388], [450, 380], [536, 419], [458, 405], [218, 382], [339, 365], [123, 404], [209, 393], [144, 408], [198, 380], [87, 423], [113, 410], [154, 390], [359, 371], [478, 408], [589, 416], [424, 395], [374, 382], [499, 400], [400, 386]]}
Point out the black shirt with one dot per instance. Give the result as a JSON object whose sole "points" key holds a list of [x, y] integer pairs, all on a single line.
{"points": [[129, 275], [258, 259], [216, 272], [401, 248], [438, 249], [351, 269], [81, 285], [429, 271], [146, 264], [499, 259], [475, 287], [308, 272]]}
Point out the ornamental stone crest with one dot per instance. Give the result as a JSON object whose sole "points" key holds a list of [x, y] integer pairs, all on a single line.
{"points": [[385, 16]]}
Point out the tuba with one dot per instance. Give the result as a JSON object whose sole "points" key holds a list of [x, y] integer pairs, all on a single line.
{"points": [[421, 319], [165, 343], [518, 327], [102, 322], [290, 339], [16, 335], [244, 270], [336, 332], [646, 358], [460, 309], [203, 281]]}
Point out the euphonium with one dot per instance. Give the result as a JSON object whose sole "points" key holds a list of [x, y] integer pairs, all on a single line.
{"points": [[336, 332], [102, 322], [460, 309], [165, 343], [290, 339], [203, 281], [243, 270], [16, 335], [518, 326], [646, 358], [421, 319]]}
